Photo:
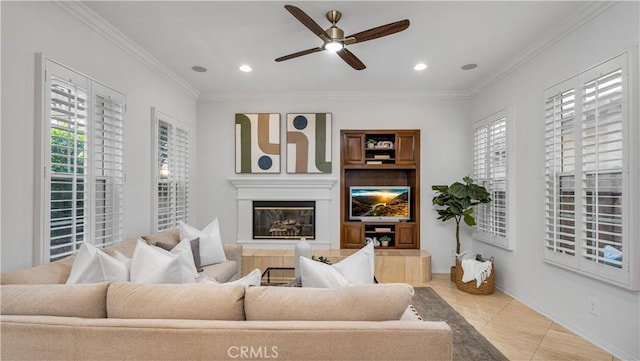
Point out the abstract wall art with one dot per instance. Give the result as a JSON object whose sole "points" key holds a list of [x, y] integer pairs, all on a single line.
{"points": [[309, 143], [258, 143]]}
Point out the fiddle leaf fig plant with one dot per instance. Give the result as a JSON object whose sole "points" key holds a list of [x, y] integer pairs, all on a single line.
{"points": [[456, 202]]}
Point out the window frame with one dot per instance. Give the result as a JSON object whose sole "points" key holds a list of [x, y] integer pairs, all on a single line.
{"points": [[627, 274], [158, 117], [492, 236], [46, 70]]}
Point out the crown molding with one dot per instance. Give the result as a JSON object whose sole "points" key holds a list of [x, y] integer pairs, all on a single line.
{"points": [[98, 24], [333, 95], [552, 37]]}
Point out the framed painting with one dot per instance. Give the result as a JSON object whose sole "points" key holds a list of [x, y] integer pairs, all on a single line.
{"points": [[309, 143], [257, 142]]}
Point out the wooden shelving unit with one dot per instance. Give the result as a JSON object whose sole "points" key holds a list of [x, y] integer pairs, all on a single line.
{"points": [[393, 159]]}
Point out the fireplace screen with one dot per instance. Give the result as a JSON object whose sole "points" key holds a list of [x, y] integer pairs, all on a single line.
{"points": [[284, 219]]}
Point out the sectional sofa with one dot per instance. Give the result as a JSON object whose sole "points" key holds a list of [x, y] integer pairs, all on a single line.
{"points": [[43, 318]]}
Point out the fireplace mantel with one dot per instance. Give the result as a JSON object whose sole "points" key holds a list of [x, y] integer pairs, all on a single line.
{"points": [[250, 188]]}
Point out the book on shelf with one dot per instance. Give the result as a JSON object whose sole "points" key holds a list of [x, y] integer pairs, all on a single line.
{"points": [[382, 156], [383, 229], [374, 162]]}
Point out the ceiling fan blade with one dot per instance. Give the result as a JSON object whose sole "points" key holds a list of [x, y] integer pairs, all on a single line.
{"points": [[351, 59], [300, 53], [378, 32], [308, 22]]}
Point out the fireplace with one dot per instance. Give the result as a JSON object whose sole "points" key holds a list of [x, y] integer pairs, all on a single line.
{"points": [[283, 220], [260, 188]]}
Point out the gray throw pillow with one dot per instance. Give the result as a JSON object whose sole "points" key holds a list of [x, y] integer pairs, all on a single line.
{"points": [[195, 249]]}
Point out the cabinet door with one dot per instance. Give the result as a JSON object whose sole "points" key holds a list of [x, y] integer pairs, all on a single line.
{"points": [[406, 152], [352, 235], [406, 236], [353, 148]]}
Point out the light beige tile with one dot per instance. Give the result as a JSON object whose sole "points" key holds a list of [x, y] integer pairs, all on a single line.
{"points": [[561, 344]]}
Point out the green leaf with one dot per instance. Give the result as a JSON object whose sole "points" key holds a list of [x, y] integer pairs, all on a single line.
{"points": [[469, 220]]}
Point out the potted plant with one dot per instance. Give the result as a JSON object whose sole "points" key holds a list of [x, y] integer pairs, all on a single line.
{"points": [[456, 202], [384, 240], [371, 143]]}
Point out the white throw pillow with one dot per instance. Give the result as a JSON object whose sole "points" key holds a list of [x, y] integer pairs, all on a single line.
{"points": [[211, 251], [183, 249], [92, 265], [151, 264], [124, 260], [252, 279], [357, 269]]}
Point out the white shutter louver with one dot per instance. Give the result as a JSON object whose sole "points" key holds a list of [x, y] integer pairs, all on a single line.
{"points": [[490, 171], [559, 171], [68, 157], [108, 170], [172, 179], [602, 165]]}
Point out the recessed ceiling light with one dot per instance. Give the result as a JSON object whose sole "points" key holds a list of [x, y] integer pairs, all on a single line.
{"points": [[199, 69], [469, 66], [420, 66], [245, 68]]}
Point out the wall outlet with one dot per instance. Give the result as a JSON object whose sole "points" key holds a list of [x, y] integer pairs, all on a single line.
{"points": [[592, 304]]}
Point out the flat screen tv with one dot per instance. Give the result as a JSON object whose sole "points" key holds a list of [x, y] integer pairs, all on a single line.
{"points": [[379, 203]]}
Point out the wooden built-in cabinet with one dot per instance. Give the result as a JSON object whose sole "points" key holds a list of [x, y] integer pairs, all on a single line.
{"points": [[394, 160]]}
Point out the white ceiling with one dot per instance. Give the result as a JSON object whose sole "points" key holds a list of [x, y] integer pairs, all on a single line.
{"points": [[222, 35]]}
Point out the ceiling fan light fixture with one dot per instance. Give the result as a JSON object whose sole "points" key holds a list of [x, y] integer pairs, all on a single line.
{"points": [[334, 46], [245, 68]]}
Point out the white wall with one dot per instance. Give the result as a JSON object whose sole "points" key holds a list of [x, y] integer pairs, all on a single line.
{"points": [[445, 147], [560, 294], [32, 27]]}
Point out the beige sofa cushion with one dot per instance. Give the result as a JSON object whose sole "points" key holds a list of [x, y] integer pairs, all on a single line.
{"points": [[221, 272], [82, 300], [381, 302], [171, 236], [49, 273], [195, 301]]}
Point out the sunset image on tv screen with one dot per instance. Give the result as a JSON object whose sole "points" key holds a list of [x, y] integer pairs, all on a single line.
{"points": [[380, 202]]}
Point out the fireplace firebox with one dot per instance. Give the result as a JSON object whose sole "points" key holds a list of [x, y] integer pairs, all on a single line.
{"points": [[284, 219]]}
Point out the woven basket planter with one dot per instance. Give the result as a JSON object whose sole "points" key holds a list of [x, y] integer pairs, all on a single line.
{"points": [[486, 287]]}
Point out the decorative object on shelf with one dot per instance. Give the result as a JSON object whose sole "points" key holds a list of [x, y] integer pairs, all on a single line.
{"points": [[371, 143], [373, 240], [457, 202], [309, 143], [257, 143], [302, 249], [322, 259], [385, 144], [384, 240]]}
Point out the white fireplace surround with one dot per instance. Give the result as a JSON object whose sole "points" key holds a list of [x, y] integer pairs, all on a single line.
{"points": [[249, 189]]}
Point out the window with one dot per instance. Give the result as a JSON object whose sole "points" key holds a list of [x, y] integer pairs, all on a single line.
{"points": [[171, 172], [83, 194], [490, 168], [587, 185]]}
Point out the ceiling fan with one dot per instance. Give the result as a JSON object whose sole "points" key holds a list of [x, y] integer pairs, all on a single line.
{"points": [[333, 38]]}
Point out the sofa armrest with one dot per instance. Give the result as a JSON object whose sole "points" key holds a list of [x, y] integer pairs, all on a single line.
{"points": [[233, 251]]}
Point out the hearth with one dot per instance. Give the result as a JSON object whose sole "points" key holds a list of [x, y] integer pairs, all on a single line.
{"points": [[283, 220]]}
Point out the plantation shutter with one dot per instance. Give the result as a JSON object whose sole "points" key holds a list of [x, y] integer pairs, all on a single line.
{"points": [[602, 166], [490, 171], [172, 173], [587, 205], [82, 155], [66, 179], [560, 108], [108, 166]]}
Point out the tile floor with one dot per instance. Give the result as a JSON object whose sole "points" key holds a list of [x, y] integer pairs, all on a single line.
{"points": [[516, 330]]}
